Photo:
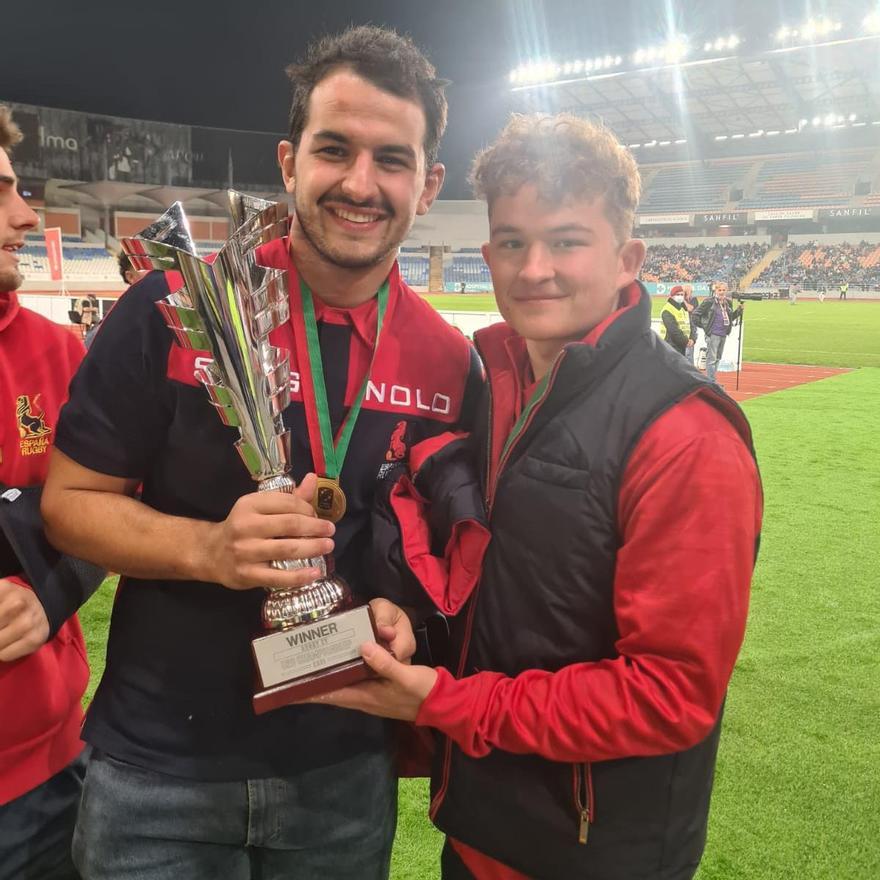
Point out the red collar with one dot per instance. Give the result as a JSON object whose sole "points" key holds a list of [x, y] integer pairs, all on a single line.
{"points": [[277, 255]]}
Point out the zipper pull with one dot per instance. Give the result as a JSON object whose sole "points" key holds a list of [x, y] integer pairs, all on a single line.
{"points": [[584, 827]]}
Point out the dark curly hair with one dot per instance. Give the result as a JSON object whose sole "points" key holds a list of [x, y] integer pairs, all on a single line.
{"points": [[390, 61]]}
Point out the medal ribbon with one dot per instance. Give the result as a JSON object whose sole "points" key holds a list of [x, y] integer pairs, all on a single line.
{"points": [[328, 457]]}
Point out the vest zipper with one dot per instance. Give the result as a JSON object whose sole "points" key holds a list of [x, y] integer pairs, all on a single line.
{"points": [[512, 442], [490, 497], [583, 799]]}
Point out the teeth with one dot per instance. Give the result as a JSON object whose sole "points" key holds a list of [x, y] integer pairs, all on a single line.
{"points": [[354, 218]]}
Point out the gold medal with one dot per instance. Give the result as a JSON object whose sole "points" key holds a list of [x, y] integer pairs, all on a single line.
{"points": [[329, 500]]}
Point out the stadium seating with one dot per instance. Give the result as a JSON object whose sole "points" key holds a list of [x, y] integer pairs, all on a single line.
{"points": [[814, 266], [693, 187], [414, 269], [814, 180], [466, 268], [81, 262], [728, 262]]}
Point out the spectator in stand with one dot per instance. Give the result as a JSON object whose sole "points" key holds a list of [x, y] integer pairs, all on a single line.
{"points": [[675, 320], [691, 303], [716, 316]]}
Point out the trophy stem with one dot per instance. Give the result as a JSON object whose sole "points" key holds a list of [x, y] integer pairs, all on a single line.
{"points": [[286, 608]]}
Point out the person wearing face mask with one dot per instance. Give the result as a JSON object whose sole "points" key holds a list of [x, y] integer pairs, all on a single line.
{"points": [[676, 326]]}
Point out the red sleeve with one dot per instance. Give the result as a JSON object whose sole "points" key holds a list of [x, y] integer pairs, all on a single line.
{"points": [[690, 511]]}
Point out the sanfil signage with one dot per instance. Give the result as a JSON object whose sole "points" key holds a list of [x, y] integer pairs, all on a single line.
{"points": [[845, 213], [729, 218], [665, 219]]}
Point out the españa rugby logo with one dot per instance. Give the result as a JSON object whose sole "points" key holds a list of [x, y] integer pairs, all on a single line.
{"points": [[32, 427]]}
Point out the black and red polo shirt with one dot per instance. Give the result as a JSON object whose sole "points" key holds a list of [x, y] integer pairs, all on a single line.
{"points": [[176, 691]]}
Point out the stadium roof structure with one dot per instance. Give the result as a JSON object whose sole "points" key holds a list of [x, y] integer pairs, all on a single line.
{"points": [[780, 92]]}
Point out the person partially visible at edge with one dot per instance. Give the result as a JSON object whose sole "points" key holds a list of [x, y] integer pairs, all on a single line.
{"points": [[581, 711], [716, 315], [185, 780], [43, 668], [675, 320], [691, 303]]}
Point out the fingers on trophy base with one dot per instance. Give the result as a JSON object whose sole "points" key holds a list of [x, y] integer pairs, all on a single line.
{"points": [[311, 659]]}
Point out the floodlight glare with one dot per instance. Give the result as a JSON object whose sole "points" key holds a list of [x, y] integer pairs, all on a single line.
{"points": [[817, 120], [720, 137], [681, 141], [830, 119], [736, 136], [733, 41], [773, 132], [707, 47], [872, 23], [618, 60], [782, 34]]}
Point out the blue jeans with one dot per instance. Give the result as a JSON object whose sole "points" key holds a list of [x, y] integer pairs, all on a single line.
{"points": [[35, 829], [714, 350], [333, 823]]}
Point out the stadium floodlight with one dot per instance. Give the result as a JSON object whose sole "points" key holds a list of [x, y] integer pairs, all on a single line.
{"points": [[773, 132], [733, 41], [817, 120], [736, 137], [720, 137], [852, 117], [651, 143], [830, 119], [859, 124], [634, 146], [707, 47], [792, 130], [681, 141], [663, 143], [782, 34], [756, 134], [618, 60], [872, 23], [675, 49], [578, 66]]}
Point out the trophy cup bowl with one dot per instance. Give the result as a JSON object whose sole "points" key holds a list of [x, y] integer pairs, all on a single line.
{"points": [[227, 308]]}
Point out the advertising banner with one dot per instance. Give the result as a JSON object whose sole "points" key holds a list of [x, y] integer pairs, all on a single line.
{"points": [[665, 219], [721, 218], [785, 214], [54, 253]]}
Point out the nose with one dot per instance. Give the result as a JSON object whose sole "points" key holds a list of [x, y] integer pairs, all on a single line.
{"points": [[360, 179], [22, 216], [537, 265]]}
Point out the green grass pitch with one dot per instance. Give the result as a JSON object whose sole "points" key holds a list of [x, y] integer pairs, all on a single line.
{"points": [[797, 785]]}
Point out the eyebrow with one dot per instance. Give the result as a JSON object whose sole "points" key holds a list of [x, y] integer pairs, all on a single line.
{"points": [[556, 230], [397, 149], [5, 178]]}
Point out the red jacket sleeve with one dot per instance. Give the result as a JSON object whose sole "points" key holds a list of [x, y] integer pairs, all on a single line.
{"points": [[690, 511]]}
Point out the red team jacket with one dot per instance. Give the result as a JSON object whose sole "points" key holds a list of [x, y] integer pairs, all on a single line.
{"points": [[40, 695]]}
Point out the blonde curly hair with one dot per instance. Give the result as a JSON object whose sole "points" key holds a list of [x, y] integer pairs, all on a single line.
{"points": [[565, 157]]}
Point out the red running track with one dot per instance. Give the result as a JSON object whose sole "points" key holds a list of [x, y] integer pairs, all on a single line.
{"points": [[758, 379]]}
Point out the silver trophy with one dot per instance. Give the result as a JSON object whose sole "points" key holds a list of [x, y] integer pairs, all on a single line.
{"points": [[227, 308]]}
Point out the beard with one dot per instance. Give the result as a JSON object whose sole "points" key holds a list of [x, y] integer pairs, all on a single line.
{"points": [[10, 279], [342, 255]]}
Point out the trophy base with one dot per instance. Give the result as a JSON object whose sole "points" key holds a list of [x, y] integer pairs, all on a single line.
{"points": [[312, 658]]}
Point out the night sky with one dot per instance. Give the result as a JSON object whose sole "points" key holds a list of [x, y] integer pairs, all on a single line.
{"points": [[222, 63]]}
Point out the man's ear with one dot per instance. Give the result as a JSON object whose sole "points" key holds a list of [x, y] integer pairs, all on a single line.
{"points": [[286, 157], [433, 184], [631, 257]]}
